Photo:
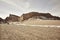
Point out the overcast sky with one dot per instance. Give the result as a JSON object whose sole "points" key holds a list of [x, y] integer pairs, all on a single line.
{"points": [[18, 7]]}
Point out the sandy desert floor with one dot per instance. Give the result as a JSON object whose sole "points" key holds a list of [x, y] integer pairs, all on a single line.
{"points": [[20, 32]]}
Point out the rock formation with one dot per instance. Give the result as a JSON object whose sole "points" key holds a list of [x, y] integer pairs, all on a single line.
{"points": [[12, 18], [36, 15], [2, 21], [30, 15]]}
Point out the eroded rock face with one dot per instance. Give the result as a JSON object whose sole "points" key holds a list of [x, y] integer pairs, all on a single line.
{"points": [[44, 16], [2, 21], [12, 18], [30, 15]]}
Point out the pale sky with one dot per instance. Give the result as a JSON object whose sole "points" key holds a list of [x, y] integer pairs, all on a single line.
{"points": [[18, 7]]}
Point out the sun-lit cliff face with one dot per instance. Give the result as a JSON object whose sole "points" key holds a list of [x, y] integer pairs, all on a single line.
{"points": [[30, 15]]}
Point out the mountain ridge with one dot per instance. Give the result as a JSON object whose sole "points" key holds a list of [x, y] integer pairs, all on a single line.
{"points": [[26, 16], [45, 16]]}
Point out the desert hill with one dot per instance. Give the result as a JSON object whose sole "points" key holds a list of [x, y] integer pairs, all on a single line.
{"points": [[30, 15], [1, 20], [36, 15], [12, 18]]}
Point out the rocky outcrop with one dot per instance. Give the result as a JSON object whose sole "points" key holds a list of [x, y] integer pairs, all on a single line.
{"points": [[12, 18], [2, 21], [36, 15], [30, 15]]}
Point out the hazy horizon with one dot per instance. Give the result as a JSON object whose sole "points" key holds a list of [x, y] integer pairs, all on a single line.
{"points": [[18, 7]]}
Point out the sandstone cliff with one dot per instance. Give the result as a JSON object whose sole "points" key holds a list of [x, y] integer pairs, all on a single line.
{"points": [[36, 15], [2, 21], [27, 16], [12, 18]]}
